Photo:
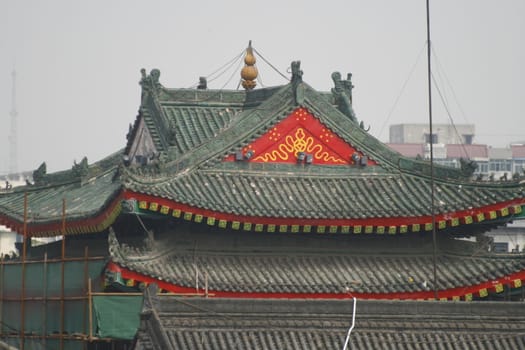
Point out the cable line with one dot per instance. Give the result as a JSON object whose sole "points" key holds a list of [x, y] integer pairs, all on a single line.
{"points": [[221, 70], [447, 80], [450, 117], [402, 90], [268, 63]]}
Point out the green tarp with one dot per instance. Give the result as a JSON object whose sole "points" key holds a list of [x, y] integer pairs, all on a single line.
{"points": [[117, 317], [43, 288], [43, 307]]}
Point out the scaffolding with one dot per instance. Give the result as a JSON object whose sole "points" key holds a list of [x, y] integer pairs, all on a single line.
{"points": [[58, 303]]}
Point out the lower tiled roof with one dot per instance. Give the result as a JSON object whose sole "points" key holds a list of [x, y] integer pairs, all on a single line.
{"points": [[308, 324], [336, 273]]}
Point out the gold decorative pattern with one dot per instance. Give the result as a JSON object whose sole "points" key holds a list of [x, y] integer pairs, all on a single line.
{"points": [[296, 144]]}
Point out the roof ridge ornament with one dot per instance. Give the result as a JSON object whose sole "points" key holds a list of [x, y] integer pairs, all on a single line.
{"points": [[342, 92], [297, 79], [150, 83], [297, 73], [39, 175], [249, 71], [80, 170]]}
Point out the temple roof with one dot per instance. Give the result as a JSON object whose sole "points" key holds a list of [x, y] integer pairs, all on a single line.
{"points": [[286, 158], [236, 156]]}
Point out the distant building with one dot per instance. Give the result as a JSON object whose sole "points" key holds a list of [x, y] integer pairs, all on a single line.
{"points": [[508, 239], [451, 143], [441, 133], [493, 163], [7, 241]]}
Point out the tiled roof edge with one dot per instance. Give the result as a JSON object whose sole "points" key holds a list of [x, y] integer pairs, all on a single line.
{"points": [[85, 222]]}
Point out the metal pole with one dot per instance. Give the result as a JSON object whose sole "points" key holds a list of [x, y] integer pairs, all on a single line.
{"points": [[44, 307], [86, 276], [432, 193], [1, 294], [90, 311], [62, 316], [24, 251], [352, 326]]}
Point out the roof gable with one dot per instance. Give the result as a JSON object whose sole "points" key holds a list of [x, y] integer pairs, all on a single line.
{"points": [[301, 137], [141, 147]]}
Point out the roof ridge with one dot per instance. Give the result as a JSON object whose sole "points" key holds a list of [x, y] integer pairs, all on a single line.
{"points": [[291, 173]]}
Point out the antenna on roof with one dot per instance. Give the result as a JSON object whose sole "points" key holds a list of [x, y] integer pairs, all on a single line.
{"points": [[432, 190], [13, 149]]}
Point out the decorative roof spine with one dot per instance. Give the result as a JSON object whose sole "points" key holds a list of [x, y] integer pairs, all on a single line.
{"points": [[249, 71]]}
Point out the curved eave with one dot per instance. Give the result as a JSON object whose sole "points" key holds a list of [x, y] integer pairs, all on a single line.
{"points": [[487, 214], [90, 206], [465, 293], [87, 223]]}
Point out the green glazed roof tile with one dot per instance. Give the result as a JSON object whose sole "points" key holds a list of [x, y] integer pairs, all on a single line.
{"points": [[330, 196]]}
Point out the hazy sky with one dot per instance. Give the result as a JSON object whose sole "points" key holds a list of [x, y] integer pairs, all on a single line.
{"points": [[78, 63]]}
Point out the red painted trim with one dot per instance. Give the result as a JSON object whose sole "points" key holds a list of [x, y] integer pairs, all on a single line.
{"points": [[442, 294], [386, 222]]}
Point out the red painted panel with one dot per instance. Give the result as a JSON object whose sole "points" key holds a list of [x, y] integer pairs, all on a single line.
{"points": [[301, 132]]}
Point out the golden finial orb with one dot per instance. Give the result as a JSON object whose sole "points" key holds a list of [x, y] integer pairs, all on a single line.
{"points": [[249, 71]]}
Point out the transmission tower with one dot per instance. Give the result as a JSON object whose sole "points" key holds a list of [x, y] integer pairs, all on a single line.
{"points": [[13, 141]]}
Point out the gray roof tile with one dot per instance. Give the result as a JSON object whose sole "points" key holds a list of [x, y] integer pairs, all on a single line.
{"points": [[322, 324]]}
